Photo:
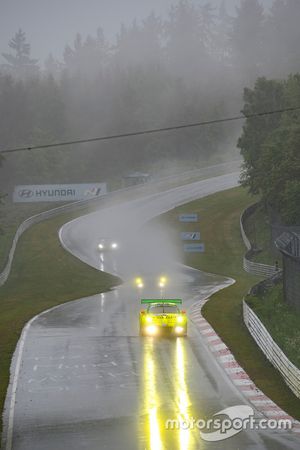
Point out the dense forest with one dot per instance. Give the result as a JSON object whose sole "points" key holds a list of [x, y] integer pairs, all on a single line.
{"points": [[188, 67]]}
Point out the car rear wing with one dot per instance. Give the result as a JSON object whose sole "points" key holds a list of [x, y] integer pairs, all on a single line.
{"points": [[175, 301]]}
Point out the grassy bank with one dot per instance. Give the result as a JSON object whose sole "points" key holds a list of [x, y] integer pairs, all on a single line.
{"points": [[43, 275], [281, 320], [219, 225], [11, 216]]}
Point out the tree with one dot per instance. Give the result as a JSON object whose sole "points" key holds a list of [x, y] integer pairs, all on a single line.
{"points": [[19, 63], [189, 40], [267, 95], [87, 58], [270, 146], [280, 163], [247, 39], [290, 211], [16, 113], [31, 112], [139, 44], [282, 38], [223, 31], [53, 67], [151, 34]]}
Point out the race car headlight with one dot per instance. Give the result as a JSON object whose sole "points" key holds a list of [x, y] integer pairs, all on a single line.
{"points": [[114, 245], [179, 330], [162, 282], [151, 329], [180, 319], [101, 246], [139, 282]]}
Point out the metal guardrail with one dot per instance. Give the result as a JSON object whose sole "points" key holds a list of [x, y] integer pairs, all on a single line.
{"points": [[208, 170], [246, 213], [263, 270], [289, 372]]}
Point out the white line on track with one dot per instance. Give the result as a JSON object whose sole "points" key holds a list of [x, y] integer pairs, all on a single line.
{"points": [[15, 385]]}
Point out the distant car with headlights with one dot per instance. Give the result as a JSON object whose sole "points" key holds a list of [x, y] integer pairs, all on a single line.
{"points": [[107, 244], [162, 316]]}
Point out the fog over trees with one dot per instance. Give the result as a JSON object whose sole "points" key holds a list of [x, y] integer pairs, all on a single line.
{"points": [[188, 67]]}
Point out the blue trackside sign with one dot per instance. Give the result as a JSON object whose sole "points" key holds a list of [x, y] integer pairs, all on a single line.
{"points": [[192, 217], [190, 236], [194, 248]]}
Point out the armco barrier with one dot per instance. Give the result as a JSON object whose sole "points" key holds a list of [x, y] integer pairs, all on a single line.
{"points": [[263, 270], [289, 372]]}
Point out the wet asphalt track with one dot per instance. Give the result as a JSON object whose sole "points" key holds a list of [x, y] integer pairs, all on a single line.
{"points": [[88, 381]]}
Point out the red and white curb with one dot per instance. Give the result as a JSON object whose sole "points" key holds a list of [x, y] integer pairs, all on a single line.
{"points": [[235, 372]]}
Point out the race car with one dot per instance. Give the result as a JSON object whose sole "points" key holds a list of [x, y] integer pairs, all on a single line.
{"points": [[107, 244], [162, 316]]}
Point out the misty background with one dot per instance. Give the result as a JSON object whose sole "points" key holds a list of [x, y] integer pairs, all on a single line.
{"points": [[75, 70], [49, 25]]}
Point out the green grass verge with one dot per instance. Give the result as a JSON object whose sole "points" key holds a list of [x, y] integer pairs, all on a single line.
{"points": [[281, 320], [219, 226], [11, 216], [43, 275]]}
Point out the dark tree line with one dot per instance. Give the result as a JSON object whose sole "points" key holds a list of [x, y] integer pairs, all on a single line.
{"points": [[191, 66]]}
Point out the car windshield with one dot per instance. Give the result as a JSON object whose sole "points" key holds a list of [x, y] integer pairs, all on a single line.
{"points": [[163, 309]]}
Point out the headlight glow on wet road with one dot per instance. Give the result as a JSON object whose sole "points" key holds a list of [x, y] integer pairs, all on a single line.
{"points": [[151, 399], [182, 396], [163, 401]]}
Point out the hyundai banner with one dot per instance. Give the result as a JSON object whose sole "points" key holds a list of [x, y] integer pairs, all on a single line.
{"points": [[58, 192]]}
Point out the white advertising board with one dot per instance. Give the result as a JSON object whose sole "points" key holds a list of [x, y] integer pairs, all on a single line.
{"points": [[57, 192]]}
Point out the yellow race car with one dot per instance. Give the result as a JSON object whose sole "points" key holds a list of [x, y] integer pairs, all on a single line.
{"points": [[162, 316]]}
